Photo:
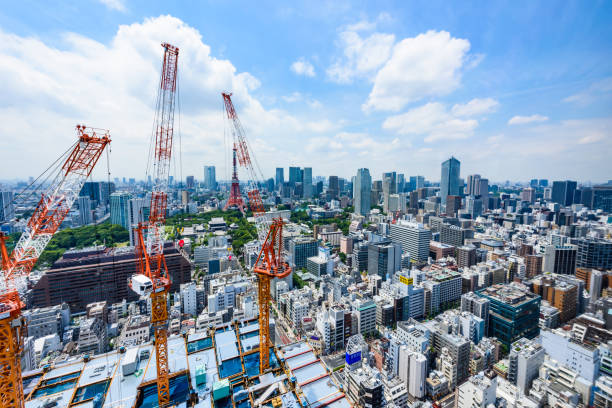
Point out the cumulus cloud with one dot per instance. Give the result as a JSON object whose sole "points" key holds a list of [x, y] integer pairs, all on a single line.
{"points": [[363, 52], [423, 66], [303, 67], [436, 122], [50, 87], [522, 120]]}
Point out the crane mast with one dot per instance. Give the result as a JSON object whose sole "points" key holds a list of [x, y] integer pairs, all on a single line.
{"points": [[52, 208], [153, 279], [269, 264]]}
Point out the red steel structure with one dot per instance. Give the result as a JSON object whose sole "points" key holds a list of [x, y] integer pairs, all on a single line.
{"points": [[241, 153], [235, 199], [50, 212], [269, 265], [151, 234]]}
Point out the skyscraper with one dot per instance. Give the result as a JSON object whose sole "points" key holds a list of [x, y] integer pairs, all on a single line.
{"points": [[190, 182], [7, 209], [449, 180], [392, 177], [362, 190], [563, 192], [210, 177], [85, 217], [307, 182], [295, 175], [119, 209], [280, 177], [333, 188]]}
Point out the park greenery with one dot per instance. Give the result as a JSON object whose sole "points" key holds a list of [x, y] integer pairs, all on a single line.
{"points": [[243, 233], [342, 220], [81, 237]]}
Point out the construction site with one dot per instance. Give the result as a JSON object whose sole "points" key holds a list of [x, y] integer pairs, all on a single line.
{"points": [[234, 364], [214, 368]]}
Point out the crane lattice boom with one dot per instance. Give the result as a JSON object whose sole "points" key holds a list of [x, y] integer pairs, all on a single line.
{"points": [[46, 219], [151, 235]]}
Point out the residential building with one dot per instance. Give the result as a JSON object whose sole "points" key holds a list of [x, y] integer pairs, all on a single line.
{"points": [[525, 359], [414, 239], [479, 391], [92, 336]]}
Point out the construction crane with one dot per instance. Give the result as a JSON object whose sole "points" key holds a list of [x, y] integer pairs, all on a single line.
{"points": [[269, 265], [153, 279], [242, 153], [55, 202]]}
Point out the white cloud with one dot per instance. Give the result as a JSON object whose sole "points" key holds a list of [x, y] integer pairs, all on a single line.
{"points": [[303, 67], [475, 107], [426, 65], [51, 87], [361, 55], [594, 92], [118, 5], [436, 122], [522, 120]]}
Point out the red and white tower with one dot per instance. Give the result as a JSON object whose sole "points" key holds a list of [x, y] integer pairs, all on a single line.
{"points": [[235, 199]]}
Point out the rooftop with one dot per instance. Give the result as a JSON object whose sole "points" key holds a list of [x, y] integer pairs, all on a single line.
{"points": [[199, 363]]}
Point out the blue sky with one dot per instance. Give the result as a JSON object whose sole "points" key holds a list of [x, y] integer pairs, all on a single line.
{"points": [[515, 90]]}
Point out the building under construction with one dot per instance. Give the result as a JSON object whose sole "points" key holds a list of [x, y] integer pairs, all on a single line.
{"points": [[217, 367]]}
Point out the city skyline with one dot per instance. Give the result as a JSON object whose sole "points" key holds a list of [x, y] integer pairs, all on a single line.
{"points": [[329, 101]]}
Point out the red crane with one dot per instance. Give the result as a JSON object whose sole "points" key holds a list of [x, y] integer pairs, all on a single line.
{"points": [[153, 279], [49, 214], [241, 152]]}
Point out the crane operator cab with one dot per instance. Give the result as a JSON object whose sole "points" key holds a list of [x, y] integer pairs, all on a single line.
{"points": [[141, 284]]}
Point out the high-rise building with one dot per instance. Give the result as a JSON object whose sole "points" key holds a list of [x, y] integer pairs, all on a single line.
{"points": [[449, 181], [479, 391], [136, 214], [473, 206], [295, 175], [454, 235], [7, 209], [563, 192], [119, 209], [384, 258], [466, 256], [190, 182], [210, 177], [333, 187], [602, 197], [307, 182], [473, 185], [593, 253], [453, 205], [280, 177], [84, 276], [414, 239], [392, 177], [85, 215], [515, 312], [362, 190], [560, 259], [525, 359], [300, 249], [476, 305]]}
